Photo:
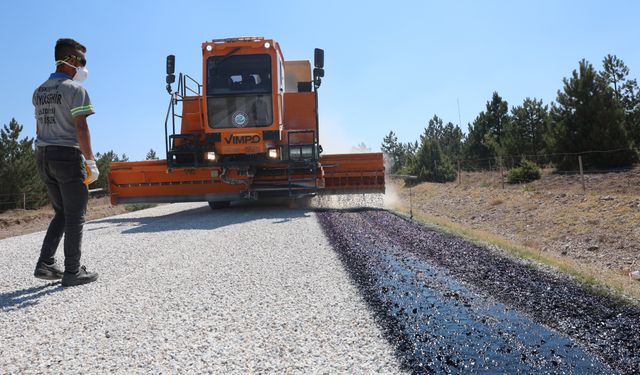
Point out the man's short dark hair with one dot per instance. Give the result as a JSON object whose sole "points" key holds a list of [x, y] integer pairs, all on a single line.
{"points": [[66, 47]]}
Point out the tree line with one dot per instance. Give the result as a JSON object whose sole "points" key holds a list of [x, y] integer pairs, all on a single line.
{"points": [[19, 174], [594, 111]]}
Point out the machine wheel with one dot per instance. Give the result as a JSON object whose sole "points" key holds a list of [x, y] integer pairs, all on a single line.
{"points": [[219, 204]]}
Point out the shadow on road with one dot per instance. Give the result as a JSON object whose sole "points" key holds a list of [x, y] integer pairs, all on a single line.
{"points": [[22, 298], [203, 218]]}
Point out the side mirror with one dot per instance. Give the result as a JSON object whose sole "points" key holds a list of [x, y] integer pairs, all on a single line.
{"points": [[171, 68], [318, 58], [171, 64]]}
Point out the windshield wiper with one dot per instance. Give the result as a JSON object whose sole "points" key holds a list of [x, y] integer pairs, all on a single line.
{"points": [[225, 57]]}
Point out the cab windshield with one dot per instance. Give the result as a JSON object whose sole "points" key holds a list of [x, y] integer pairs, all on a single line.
{"points": [[239, 91]]}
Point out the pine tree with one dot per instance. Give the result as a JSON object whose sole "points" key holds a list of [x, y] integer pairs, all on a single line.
{"points": [[103, 161], [497, 117], [394, 152], [452, 141], [525, 133], [433, 130], [430, 163], [18, 171], [588, 117], [616, 74], [449, 137], [631, 103], [151, 155], [485, 136]]}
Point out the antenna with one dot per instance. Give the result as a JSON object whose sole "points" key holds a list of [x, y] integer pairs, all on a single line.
{"points": [[459, 118]]}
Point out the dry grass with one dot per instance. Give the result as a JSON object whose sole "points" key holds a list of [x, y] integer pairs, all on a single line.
{"points": [[496, 202], [19, 222]]}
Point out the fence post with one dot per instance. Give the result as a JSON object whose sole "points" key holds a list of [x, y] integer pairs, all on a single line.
{"points": [[410, 204], [584, 188], [24, 201], [459, 174], [501, 175]]}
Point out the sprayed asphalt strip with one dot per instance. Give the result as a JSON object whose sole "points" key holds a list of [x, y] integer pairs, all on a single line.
{"points": [[450, 306]]}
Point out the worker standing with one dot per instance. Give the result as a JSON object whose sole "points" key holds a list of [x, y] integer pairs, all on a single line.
{"points": [[65, 161]]}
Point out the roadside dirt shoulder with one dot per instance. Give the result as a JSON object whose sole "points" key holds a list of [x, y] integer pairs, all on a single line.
{"points": [[19, 222]]}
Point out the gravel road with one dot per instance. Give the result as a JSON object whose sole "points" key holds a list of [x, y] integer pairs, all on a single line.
{"points": [[183, 289], [269, 289]]}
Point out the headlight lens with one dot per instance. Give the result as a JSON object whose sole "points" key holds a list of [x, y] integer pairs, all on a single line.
{"points": [[211, 156], [273, 153]]}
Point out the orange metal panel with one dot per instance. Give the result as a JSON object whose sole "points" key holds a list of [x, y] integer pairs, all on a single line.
{"points": [[343, 172], [192, 115], [299, 114], [151, 179], [340, 173], [299, 110]]}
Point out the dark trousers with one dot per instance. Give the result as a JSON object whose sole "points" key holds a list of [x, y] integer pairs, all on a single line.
{"points": [[63, 172]]}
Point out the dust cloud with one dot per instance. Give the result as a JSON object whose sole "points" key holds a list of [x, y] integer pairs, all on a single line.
{"points": [[389, 200]]}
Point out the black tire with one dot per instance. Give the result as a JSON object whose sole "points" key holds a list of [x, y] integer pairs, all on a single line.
{"points": [[219, 204]]}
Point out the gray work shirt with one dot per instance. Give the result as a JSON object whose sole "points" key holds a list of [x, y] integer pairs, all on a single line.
{"points": [[57, 101]]}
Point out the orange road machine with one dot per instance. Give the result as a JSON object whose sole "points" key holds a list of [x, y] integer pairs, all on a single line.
{"points": [[249, 131]]}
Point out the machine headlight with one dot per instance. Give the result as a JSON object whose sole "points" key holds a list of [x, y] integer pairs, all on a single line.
{"points": [[211, 156], [273, 153]]}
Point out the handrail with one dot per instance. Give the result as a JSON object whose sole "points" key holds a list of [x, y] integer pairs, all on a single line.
{"points": [[176, 97], [199, 86]]}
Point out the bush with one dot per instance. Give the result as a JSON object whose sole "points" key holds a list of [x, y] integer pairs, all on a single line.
{"points": [[527, 171]]}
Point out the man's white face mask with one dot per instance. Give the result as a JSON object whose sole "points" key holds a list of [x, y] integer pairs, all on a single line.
{"points": [[81, 71]]}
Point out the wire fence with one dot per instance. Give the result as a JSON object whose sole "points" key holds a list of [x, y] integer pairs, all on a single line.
{"points": [[19, 200], [581, 171], [30, 200], [587, 171]]}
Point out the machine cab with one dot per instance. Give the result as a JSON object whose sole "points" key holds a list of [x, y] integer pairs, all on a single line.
{"points": [[243, 89], [238, 114], [239, 92]]}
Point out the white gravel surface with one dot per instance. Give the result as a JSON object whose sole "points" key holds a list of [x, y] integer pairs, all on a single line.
{"points": [[183, 289]]}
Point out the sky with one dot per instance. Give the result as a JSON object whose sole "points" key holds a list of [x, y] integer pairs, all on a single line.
{"points": [[389, 65]]}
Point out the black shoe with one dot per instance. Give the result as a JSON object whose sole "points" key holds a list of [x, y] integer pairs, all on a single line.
{"points": [[81, 277], [48, 272]]}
